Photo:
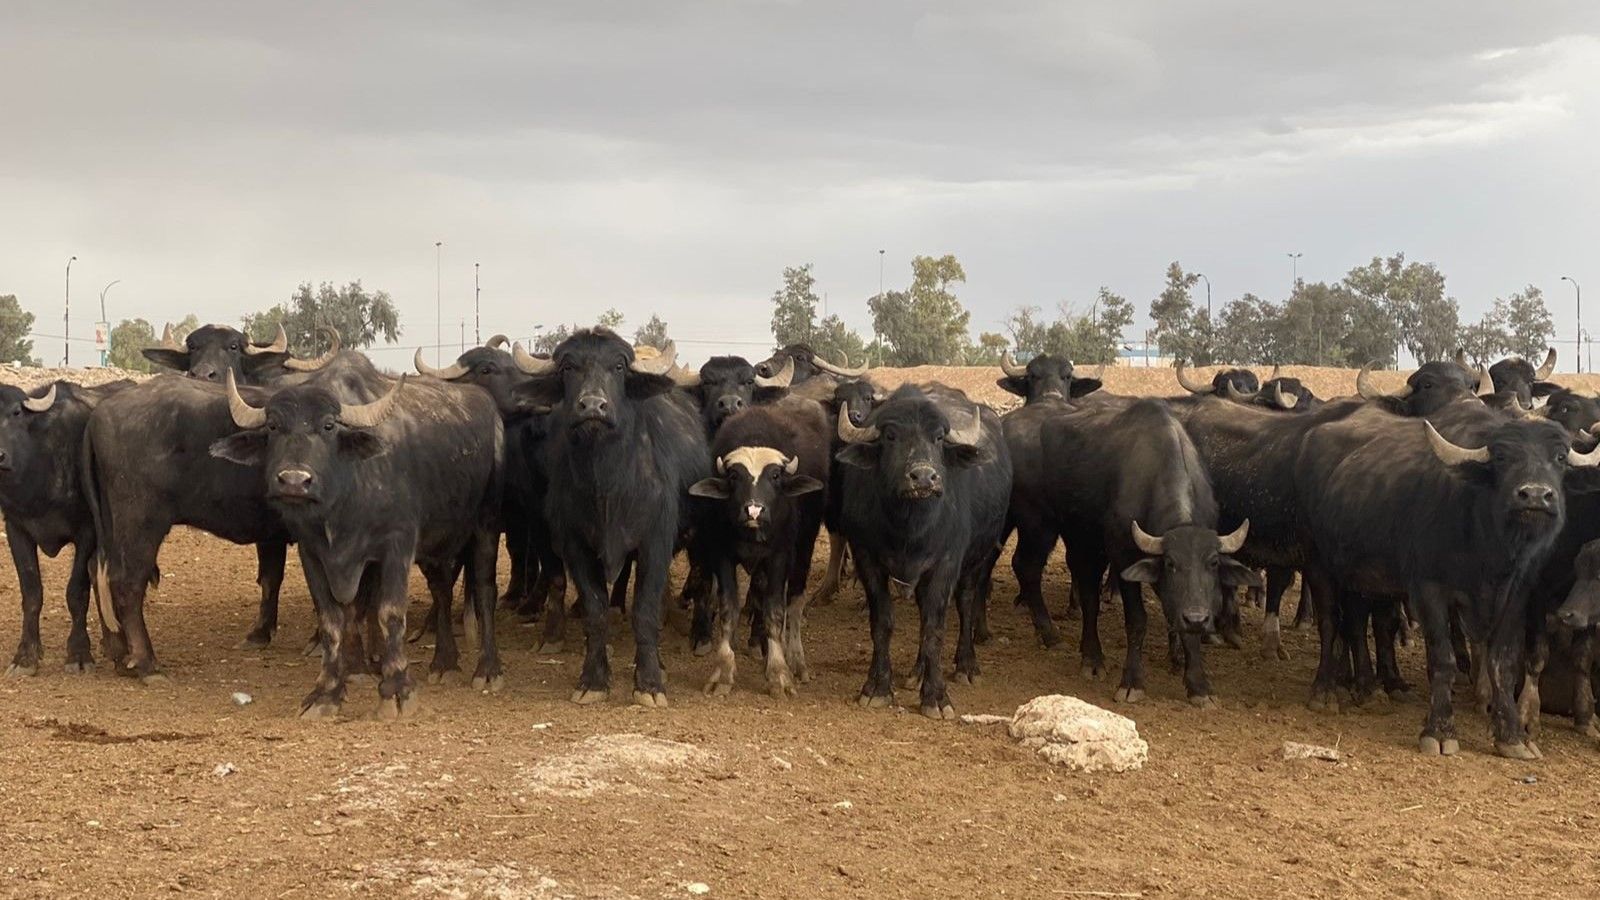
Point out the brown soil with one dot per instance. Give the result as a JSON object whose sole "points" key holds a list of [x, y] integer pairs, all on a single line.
{"points": [[125, 790]]}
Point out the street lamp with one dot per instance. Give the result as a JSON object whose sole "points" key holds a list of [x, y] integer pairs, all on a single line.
{"points": [[477, 319], [875, 338], [1208, 293], [106, 322], [1578, 350], [1294, 269], [66, 320], [438, 307]]}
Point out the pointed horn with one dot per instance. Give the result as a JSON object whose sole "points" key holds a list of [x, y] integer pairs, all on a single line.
{"points": [[780, 380], [1282, 400], [368, 415], [791, 465], [244, 415], [969, 435], [448, 373], [658, 365], [311, 365], [41, 403], [1450, 454], [1276, 370], [1008, 365], [1485, 383], [850, 434], [841, 371], [1544, 371], [1584, 460], [530, 364], [497, 341], [280, 344], [1148, 544], [1235, 394], [1230, 543], [1364, 386], [1461, 359], [167, 340], [1193, 387], [688, 378]]}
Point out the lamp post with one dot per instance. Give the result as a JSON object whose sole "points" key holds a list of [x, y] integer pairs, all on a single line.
{"points": [[104, 321], [875, 338], [1578, 354], [1294, 270], [438, 306], [1208, 293], [477, 318], [66, 319]]}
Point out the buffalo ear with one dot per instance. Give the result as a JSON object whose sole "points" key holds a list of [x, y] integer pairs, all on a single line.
{"points": [[358, 443], [247, 448], [255, 362], [769, 394], [538, 392], [960, 456], [642, 386], [1016, 386], [862, 456], [1544, 388], [711, 489], [796, 485], [1582, 481], [1081, 386], [176, 360], [1145, 571], [1236, 574]]}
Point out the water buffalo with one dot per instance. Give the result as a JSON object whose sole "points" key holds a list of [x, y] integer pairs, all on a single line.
{"points": [[212, 350]]}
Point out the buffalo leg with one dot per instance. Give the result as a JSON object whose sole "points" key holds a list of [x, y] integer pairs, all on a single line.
{"points": [[1325, 684], [1582, 650], [1131, 690], [1387, 626], [79, 659], [1439, 728], [327, 696], [1278, 581], [1088, 568], [774, 598], [1305, 610], [878, 689], [649, 682], [516, 530], [1356, 616], [1507, 672], [25, 555], [933, 601], [594, 682], [969, 599], [395, 696], [441, 585], [1028, 562], [1195, 681], [724, 664], [829, 585], [270, 556], [1458, 643], [481, 559]]}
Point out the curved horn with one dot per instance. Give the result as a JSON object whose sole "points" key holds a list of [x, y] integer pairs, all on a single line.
{"points": [[1276, 372], [1148, 544], [782, 379], [1485, 383], [791, 465], [530, 364], [498, 341], [41, 403], [1450, 454], [688, 378], [658, 365], [1193, 387], [311, 365], [1234, 393], [1283, 401], [244, 415], [1548, 367], [448, 373], [968, 436], [1008, 365], [841, 371], [1230, 543], [1584, 460], [280, 344], [167, 340], [367, 415], [1364, 386], [849, 433], [1461, 359]]}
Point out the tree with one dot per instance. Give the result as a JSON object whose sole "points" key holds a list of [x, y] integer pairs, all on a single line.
{"points": [[1484, 340], [360, 317], [652, 333], [1112, 315], [1083, 338], [547, 343], [1525, 322], [925, 325], [15, 325], [1247, 333], [611, 319], [183, 328], [989, 349], [794, 307], [1425, 320], [836, 342], [127, 339], [1173, 314]]}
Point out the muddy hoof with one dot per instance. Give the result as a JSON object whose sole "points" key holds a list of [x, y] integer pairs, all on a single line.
{"points": [[1591, 730], [703, 648], [584, 696], [1432, 746], [1401, 695], [491, 683], [254, 641], [78, 667], [874, 701], [316, 712], [441, 676], [911, 683], [1323, 701], [1204, 701], [1518, 750], [967, 678], [716, 688], [945, 711], [393, 709], [549, 648], [650, 699], [1128, 695], [1092, 671], [1274, 650], [1049, 638], [312, 648], [22, 670], [1233, 639]]}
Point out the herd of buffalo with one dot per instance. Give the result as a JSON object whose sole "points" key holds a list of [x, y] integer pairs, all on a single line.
{"points": [[1462, 506]]}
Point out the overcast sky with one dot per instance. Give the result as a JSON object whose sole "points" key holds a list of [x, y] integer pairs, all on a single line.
{"points": [[673, 157]]}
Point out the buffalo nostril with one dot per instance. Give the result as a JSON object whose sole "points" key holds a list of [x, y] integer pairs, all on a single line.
{"points": [[1196, 619], [1536, 493], [594, 405], [294, 477]]}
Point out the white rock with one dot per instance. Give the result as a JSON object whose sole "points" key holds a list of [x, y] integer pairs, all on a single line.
{"points": [[223, 770], [1069, 732], [1297, 750], [698, 888], [984, 719], [240, 698]]}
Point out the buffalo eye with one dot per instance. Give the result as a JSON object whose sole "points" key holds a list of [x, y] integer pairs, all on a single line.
{"points": [[16, 410], [328, 425], [486, 369], [618, 367], [234, 346], [272, 426]]}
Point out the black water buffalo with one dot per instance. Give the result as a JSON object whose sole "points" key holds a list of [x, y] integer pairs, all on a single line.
{"points": [[855, 399], [212, 350], [925, 491], [1457, 521], [623, 450], [1136, 496], [807, 365], [1430, 388], [770, 493], [1235, 384], [1519, 376], [366, 490], [725, 385], [45, 506], [1044, 376]]}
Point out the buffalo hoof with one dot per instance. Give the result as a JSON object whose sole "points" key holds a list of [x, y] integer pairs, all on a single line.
{"points": [[315, 712], [1432, 746], [313, 647], [1092, 671], [441, 676], [491, 683], [982, 635], [874, 701], [79, 667], [1591, 730], [967, 678], [1204, 701], [393, 709], [754, 651], [1212, 639], [154, 679], [1274, 649], [1323, 701], [650, 700], [1233, 639], [1049, 636], [783, 688], [942, 712], [1128, 695], [1518, 750], [1401, 695], [550, 648], [585, 696], [703, 648], [911, 683], [254, 641], [22, 670], [715, 688]]}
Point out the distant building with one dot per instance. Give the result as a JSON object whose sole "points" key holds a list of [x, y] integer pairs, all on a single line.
{"points": [[1142, 354]]}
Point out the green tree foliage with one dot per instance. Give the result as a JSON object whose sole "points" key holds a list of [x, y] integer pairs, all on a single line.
{"points": [[1527, 323], [652, 333], [1425, 320], [1085, 338], [15, 324], [128, 338], [611, 319], [550, 340], [926, 324], [988, 350], [361, 318], [1173, 314], [794, 307], [838, 343]]}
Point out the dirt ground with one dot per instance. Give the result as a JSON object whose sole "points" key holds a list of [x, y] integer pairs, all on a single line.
{"points": [[126, 790]]}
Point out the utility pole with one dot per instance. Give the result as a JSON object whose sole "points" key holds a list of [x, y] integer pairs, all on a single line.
{"points": [[1579, 291], [477, 317], [1208, 293], [438, 306], [66, 320], [876, 339], [105, 354]]}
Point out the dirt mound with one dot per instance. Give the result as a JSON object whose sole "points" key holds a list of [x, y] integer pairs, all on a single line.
{"points": [[30, 377], [606, 761]]}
